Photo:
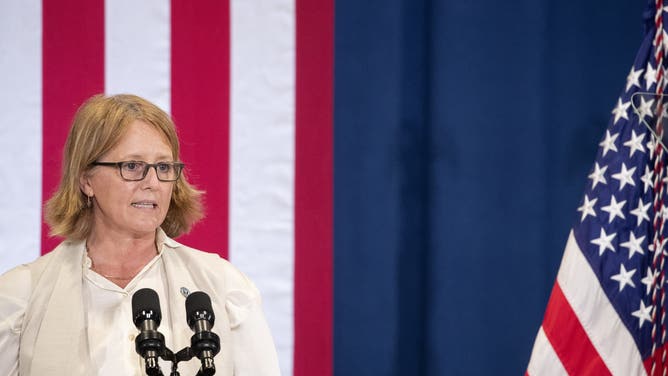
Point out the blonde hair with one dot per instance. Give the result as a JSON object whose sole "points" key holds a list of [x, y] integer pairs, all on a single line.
{"points": [[98, 126]]}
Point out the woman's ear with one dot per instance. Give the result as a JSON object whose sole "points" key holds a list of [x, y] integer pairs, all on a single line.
{"points": [[85, 185]]}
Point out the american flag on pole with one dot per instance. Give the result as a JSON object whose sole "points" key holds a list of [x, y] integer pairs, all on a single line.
{"points": [[607, 310]]}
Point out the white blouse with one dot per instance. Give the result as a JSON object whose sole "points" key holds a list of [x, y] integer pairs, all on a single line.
{"points": [[108, 315], [111, 332]]}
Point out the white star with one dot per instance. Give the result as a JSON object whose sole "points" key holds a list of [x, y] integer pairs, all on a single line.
{"points": [[633, 245], [645, 108], [604, 242], [609, 142], [648, 280], [643, 313], [635, 143], [632, 78], [624, 277], [587, 208], [598, 176], [650, 76], [614, 209], [647, 178], [641, 212], [621, 110], [625, 176]]}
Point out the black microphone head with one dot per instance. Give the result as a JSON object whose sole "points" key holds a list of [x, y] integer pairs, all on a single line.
{"points": [[146, 306], [198, 307]]}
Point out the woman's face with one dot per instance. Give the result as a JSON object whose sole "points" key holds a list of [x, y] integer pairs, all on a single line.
{"points": [[130, 208]]}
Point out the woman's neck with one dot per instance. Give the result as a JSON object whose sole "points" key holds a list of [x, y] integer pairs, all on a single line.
{"points": [[120, 259]]}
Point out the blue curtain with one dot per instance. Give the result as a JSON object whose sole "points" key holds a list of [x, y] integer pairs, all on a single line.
{"points": [[464, 134]]}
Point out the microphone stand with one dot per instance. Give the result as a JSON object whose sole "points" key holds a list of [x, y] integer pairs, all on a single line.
{"points": [[185, 354], [176, 358]]}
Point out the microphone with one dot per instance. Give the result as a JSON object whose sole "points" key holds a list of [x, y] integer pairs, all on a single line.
{"points": [[150, 343], [205, 344]]}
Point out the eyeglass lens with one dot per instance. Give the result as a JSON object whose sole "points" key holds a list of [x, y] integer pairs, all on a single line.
{"points": [[137, 170]]}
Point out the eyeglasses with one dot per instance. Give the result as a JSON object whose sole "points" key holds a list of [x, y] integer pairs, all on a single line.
{"points": [[137, 170]]}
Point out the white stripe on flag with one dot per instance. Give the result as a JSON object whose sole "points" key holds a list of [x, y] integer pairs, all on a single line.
{"points": [[20, 131], [544, 361], [137, 49], [262, 158], [598, 318]]}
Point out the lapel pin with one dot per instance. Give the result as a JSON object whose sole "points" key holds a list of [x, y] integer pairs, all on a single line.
{"points": [[185, 292]]}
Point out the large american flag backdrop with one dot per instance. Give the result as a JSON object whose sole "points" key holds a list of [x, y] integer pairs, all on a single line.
{"points": [[249, 86], [607, 310]]}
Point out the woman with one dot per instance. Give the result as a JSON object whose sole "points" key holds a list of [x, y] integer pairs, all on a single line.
{"points": [[121, 200]]}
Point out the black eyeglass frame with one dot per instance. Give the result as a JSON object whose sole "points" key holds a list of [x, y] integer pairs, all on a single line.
{"points": [[177, 165]]}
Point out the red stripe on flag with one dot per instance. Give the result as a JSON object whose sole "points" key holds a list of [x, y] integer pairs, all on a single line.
{"points": [[72, 71], [569, 339], [313, 188], [200, 107]]}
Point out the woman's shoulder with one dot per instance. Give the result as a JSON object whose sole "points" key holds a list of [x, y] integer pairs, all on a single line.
{"points": [[67, 249], [214, 267], [20, 276], [20, 279], [16, 282], [241, 295]]}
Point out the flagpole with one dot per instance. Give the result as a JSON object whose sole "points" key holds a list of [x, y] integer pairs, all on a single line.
{"points": [[659, 186]]}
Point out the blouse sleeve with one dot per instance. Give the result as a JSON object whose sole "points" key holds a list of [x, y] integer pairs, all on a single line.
{"points": [[14, 294], [254, 351]]}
